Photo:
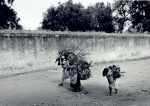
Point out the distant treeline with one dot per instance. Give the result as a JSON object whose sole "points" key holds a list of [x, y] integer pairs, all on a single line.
{"points": [[122, 15]]}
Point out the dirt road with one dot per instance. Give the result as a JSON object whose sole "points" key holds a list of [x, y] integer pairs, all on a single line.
{"points": [[41, 88]]}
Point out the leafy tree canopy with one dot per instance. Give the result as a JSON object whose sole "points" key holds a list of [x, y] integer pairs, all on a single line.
{"points": [[8, 17], [74, 17]]}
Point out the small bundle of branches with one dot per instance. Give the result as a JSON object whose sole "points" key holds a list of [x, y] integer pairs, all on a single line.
{"points": [[116, 71]]}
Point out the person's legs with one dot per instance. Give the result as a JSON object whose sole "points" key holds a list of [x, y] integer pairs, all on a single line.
{"points": [[78, 84], [110, 90], [64, 77], [75, 83], [116, 90], [112, 86]]}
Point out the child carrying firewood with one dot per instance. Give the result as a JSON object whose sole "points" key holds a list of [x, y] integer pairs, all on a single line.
{"points": [[112, 73]]}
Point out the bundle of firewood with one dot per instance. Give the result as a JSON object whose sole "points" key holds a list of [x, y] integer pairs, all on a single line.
{"points": [[84, 69], [74, 61]]}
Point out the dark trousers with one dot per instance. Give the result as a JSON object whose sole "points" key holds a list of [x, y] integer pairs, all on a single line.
{"points": [[77, 85]]}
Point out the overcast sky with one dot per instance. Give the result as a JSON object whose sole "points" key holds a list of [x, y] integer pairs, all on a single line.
{"points": [[31, 11]]}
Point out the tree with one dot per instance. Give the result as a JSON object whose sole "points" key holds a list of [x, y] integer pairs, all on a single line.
{"points": [[52, 20], [121, 13], [67, 16], [140, 15], [74, 17], [104, 17], [8, 17], [9, 2]]}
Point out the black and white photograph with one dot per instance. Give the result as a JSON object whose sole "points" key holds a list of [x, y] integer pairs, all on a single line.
{"points": [[74, 53]]}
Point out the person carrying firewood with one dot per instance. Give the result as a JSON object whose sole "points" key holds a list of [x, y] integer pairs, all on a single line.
{"points": [[73, 68], [112, 73]]}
